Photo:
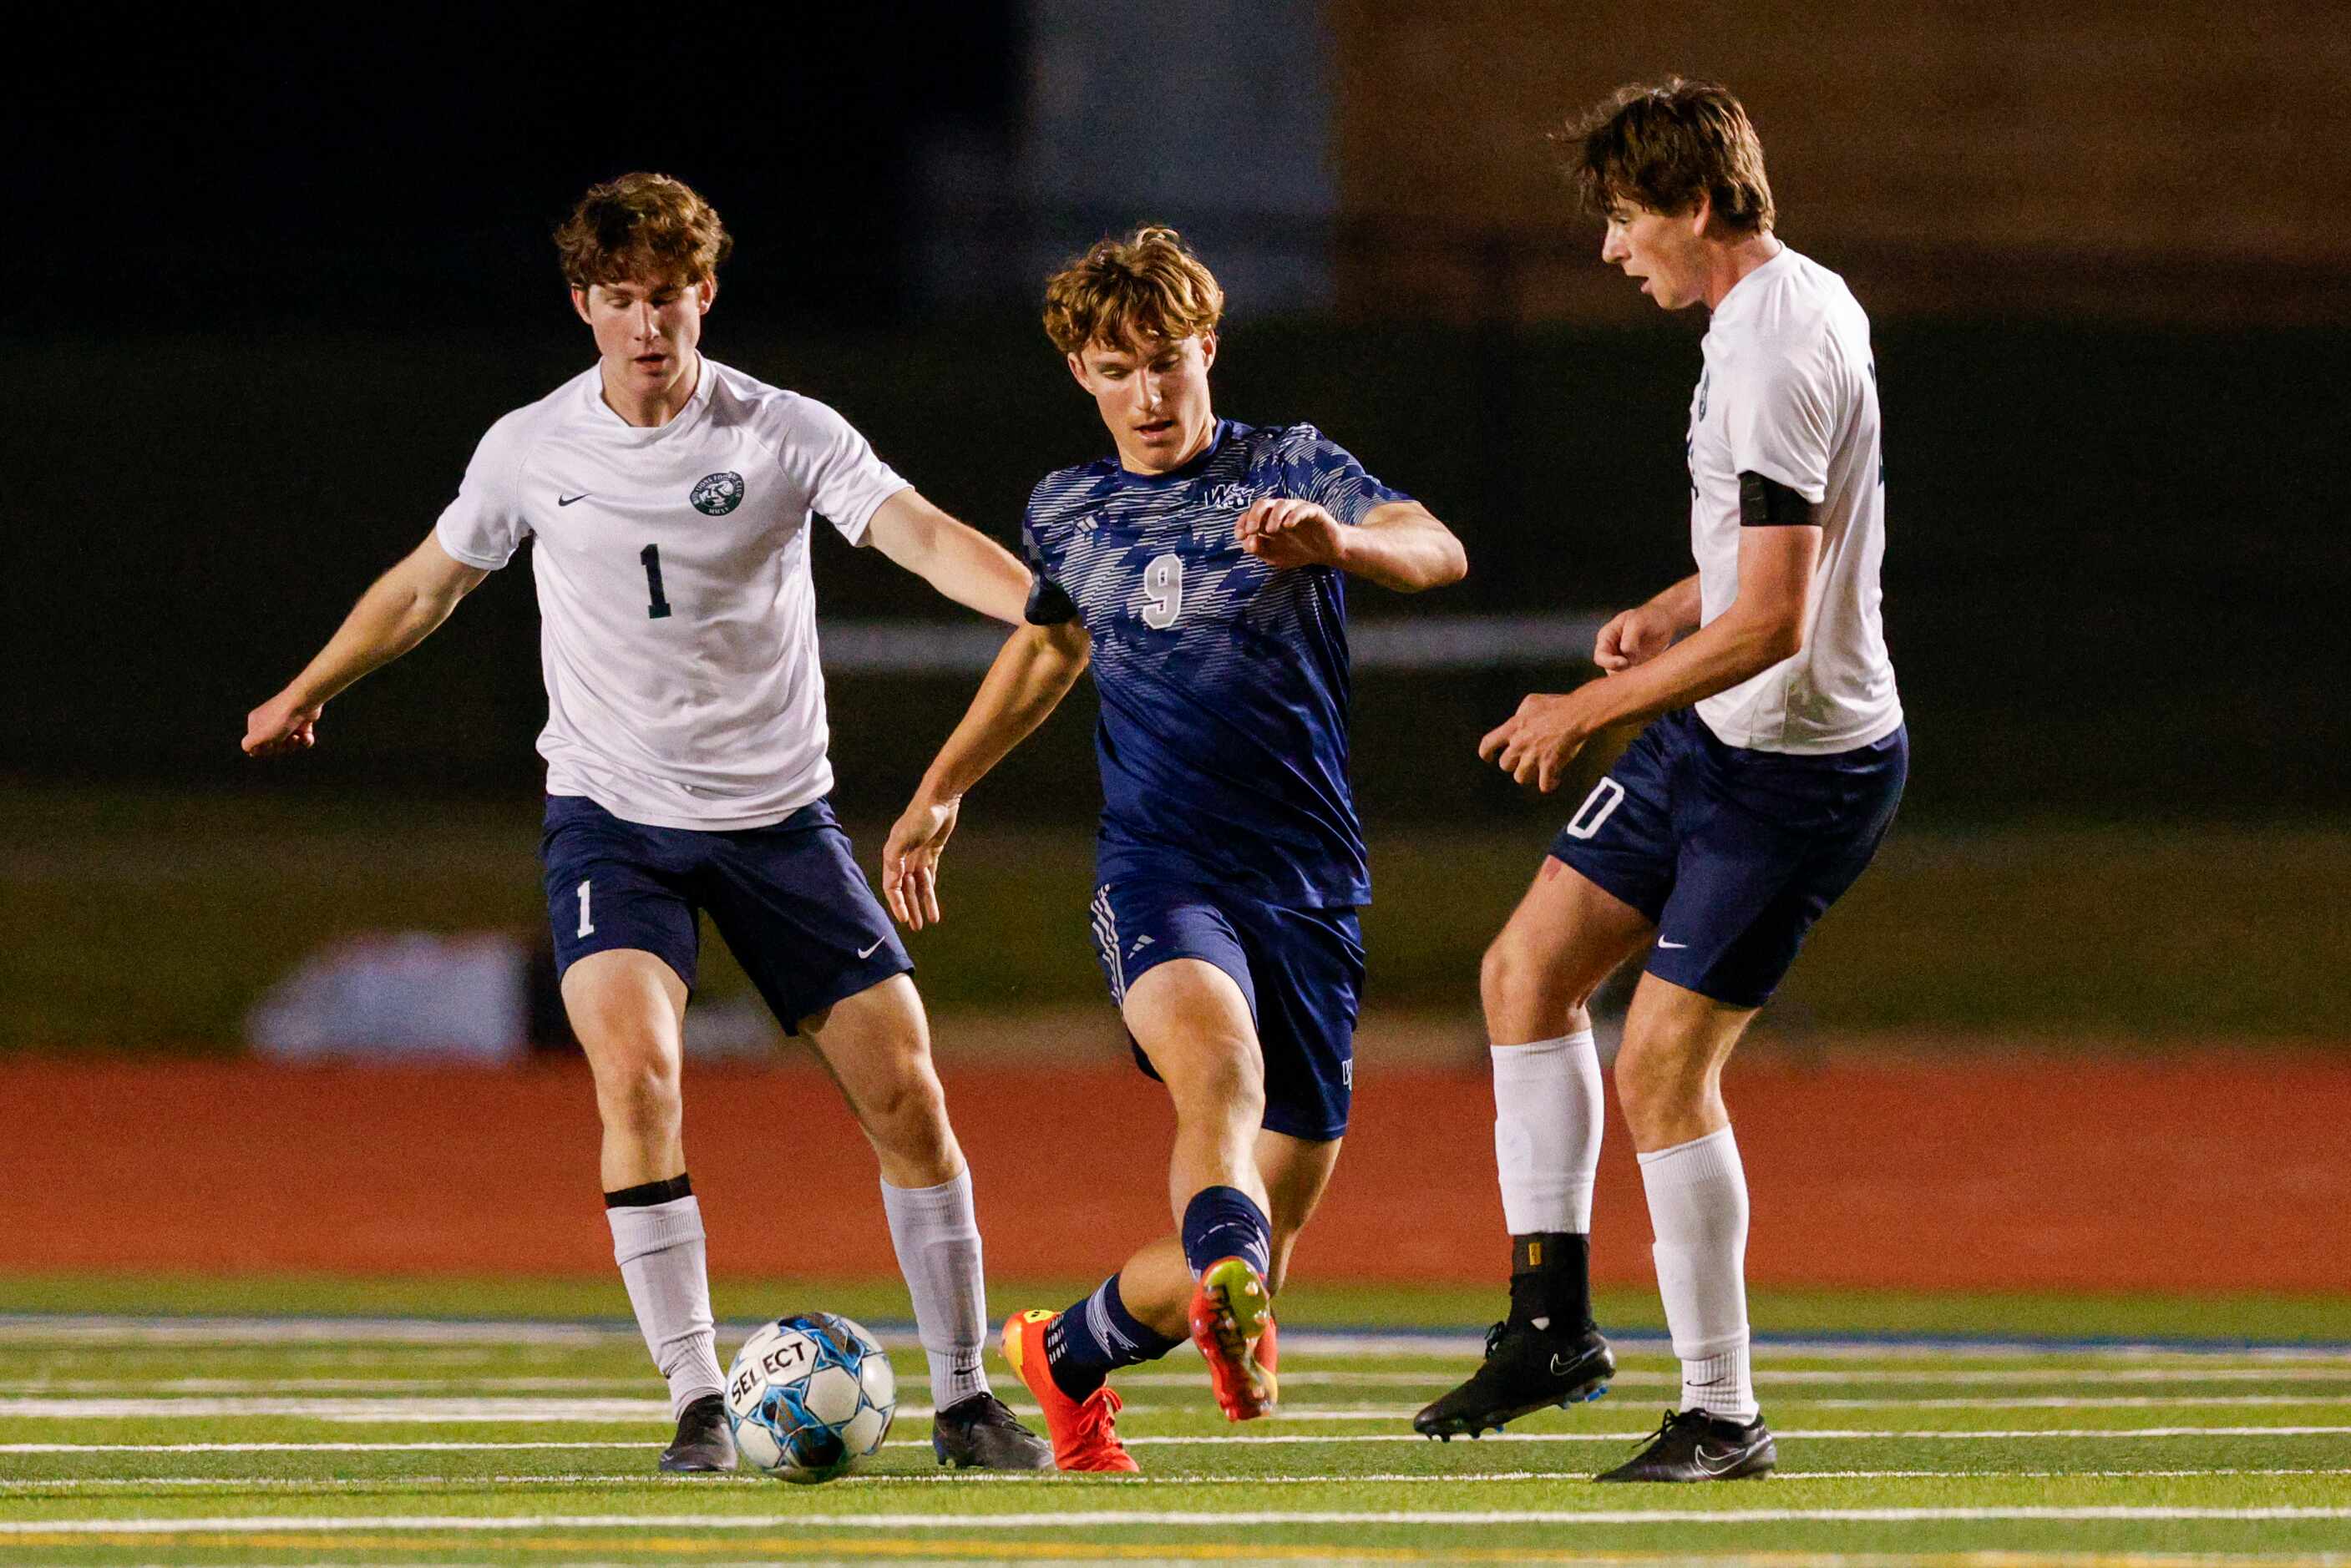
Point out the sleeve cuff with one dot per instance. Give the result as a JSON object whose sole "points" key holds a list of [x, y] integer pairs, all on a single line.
{"points": [[852, 526]]}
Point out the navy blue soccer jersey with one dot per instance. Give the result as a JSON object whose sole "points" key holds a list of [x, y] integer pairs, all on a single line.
{"points": [[1223, 681]]}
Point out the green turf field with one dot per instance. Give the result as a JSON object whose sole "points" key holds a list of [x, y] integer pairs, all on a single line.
{"points": [[447, 1438]]}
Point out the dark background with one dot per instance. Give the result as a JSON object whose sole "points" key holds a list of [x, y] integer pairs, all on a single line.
{"points": [[267, 291]]}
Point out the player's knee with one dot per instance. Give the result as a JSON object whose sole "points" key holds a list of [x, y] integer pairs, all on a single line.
{"points": [[1223, 1080], [907, 1111], [1657, 1082], [638, 1094], [1514, 978]]}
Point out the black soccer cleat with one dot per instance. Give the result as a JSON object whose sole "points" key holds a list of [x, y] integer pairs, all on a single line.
{"points": [[1692, 1446], [979, 1433], [1526, 1369], [704, 1443]]}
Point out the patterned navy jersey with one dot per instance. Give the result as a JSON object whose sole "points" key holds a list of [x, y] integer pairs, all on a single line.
{"points": [[1223, 683]]}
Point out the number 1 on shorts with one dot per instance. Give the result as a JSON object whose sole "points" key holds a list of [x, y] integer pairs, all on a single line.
{"points": [[587, 926]]}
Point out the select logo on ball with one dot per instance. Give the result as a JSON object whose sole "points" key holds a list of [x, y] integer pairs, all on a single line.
{"points": [[717, 494], [807, 1396]]}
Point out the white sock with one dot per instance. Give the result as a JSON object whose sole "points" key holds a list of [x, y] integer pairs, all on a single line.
{"points": [[938, 1240], [1547, 1121], [1697, 1207], [659, 1247]]}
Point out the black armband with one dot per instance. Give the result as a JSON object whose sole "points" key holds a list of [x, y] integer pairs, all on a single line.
{"points": [[1765, 503], [1049, 605]]}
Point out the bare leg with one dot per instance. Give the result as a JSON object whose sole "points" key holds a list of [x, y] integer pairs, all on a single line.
{"points": [[1669, 1080], [1566, 937], [1156, 1285], [1562, 941], [1669, 1068], [628, 1008], [1194, 1024], [1192, 1020], [877, 1046]]}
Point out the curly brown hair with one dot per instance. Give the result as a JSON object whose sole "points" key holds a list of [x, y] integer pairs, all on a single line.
{"points": [[643, 226], [1148, 286], [1664, 146]]}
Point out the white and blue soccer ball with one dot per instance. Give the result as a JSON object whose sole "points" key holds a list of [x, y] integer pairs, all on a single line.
{"points": [[808, 1397]]}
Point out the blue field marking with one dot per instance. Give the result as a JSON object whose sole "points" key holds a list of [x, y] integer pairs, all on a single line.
{"points": [[2111, 1345]]}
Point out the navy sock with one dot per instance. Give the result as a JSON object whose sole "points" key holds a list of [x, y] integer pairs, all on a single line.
{"points": [[1094, 1337], [1225, 1222]]}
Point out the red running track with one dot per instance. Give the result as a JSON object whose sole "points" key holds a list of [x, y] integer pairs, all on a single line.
{"points": [[2214, 1173]]}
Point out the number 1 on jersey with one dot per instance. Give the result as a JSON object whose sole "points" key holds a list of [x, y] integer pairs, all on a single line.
{"points": [[1163, 585], [650, 556]]}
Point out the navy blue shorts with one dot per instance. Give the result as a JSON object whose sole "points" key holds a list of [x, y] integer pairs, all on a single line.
{"points": [[1732, 853], [1300, 969], [788, 899]]}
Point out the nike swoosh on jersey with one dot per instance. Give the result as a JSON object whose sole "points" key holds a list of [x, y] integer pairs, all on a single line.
{"points": [[1662, 943], [567, 500]]}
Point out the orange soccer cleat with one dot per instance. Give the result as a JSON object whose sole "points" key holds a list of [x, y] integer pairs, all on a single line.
{"points": [[1084, 1431], [1232, 1318]]}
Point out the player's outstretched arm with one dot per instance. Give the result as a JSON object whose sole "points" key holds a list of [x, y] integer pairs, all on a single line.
{"points": [[1764, 624], [959, 561], [1029, 678], [397, 612], [1400, 545]]}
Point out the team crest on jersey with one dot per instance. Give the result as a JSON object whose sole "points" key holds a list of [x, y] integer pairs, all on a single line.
{"points": [[717, 494], [1235, 495]]}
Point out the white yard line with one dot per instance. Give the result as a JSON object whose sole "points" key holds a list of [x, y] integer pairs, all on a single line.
{"points": [[1017, 1478], [1438, 1379], [1293, 1378], [343, 1411], [452, 1411], [40, 1330], [1094, 1519], [1766, 1377], [297, 1447], [1815, 1435], [2073, 1402], [419, 1387]]}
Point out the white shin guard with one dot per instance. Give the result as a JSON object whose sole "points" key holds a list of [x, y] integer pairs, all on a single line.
{"points": [[1547, 1122]]}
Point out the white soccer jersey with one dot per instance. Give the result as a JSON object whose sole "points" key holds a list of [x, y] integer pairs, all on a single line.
{"points": [[677, 615], [1789, 391]]}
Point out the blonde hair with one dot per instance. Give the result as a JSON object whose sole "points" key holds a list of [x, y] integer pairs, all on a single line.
{"points": [[644, 226], [1147, 287]]}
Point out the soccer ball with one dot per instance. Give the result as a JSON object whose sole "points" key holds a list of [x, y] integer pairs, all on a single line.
{"points": [[808, 1397]]}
